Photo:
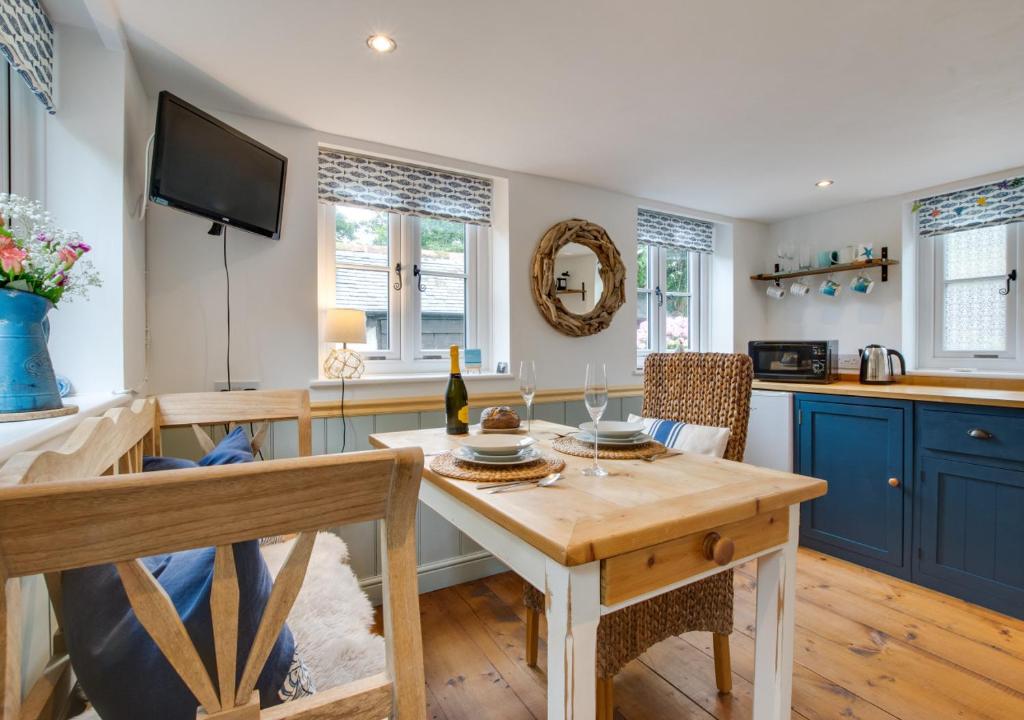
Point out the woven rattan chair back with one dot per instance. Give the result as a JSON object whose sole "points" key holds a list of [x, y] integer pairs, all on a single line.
{"points": [[703, 389]]}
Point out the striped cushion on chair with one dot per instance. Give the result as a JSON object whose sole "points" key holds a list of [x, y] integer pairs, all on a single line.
{"points": [[678, 435]]}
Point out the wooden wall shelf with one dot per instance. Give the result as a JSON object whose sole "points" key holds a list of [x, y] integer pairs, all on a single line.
{"points": [[884, 262]]}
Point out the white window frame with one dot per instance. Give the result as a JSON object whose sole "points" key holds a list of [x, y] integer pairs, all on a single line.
{"points": [[405, 356], [699, 266], [931, 316]]}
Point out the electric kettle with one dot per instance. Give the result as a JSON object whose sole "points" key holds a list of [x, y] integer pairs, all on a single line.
{"points": [[876, 365]]}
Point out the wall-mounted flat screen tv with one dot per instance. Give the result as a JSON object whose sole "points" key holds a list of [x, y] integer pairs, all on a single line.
{"points": [[206, 167]]}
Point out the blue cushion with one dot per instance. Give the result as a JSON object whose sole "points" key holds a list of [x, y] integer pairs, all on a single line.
{"points": [[234, 448], [154, 464], [120, 668]]}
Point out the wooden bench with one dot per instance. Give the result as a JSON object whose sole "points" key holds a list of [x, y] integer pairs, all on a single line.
{"points": [[88, 503]]}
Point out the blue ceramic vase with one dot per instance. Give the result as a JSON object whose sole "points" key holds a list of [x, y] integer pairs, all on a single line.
{"points": [[27, 382]]}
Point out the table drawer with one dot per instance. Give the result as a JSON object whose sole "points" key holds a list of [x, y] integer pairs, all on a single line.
{"points": [[642, 571], [985, 435]]}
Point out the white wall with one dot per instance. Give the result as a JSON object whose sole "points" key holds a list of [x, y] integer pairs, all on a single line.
{"points": [[274, 283], [854, 319], [84, 191]]}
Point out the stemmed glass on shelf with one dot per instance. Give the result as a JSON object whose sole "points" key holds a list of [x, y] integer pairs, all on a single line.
{"points": [[527, 388], [595, 397]]}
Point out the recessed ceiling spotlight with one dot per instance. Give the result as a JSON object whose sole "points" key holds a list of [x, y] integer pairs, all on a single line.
{"points": [[824, 183], [381, 43]]}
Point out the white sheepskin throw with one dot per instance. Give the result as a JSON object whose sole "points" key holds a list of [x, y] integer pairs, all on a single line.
{"points": [[332, 617]]}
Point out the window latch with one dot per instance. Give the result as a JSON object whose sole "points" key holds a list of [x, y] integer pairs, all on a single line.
{"points": [[660, 295], [1012, 277], [418, 274], [398, 274]]}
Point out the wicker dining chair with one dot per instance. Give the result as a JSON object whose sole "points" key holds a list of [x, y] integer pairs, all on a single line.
{"points": [[700, 388]]}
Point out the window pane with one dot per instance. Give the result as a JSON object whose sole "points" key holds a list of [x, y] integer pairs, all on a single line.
{"points": [[443, 245], [677, 323], [643, 315], [975, 253], [677, 270], [641, 265], [361, 236], [443, 308], [366, 290], [974, 316]]}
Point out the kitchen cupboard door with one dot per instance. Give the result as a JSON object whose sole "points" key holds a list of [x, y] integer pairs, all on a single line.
{"points": [[862, 450], [971, 525]]}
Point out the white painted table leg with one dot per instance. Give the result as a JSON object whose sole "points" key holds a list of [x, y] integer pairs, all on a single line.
{"points": [[573, 611], [773, 641]]}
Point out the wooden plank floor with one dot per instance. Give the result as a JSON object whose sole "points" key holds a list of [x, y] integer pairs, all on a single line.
{"points": [[868, 646]]}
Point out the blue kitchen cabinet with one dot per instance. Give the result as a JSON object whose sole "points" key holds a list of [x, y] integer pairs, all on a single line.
{"points": [[970, 504], [863, 448]]}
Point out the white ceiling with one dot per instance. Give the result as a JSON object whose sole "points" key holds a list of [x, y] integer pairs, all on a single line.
{"points": [[735, 107]]}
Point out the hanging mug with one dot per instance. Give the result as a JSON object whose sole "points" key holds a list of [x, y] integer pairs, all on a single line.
{"points": [[862, 284], [830, 288], [799, 289], [776, 292]]}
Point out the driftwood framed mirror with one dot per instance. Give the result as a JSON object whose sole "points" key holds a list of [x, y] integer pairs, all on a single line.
{"points": [[578, 278]]}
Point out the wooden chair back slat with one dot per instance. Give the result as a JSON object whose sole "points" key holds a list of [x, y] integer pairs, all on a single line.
{"points": [[282, 597], [206, 443], [370, 698], [224, 611], [156, 613], [239, 407], [10, 648], [48, 697], [63, 525], [96, 445]]}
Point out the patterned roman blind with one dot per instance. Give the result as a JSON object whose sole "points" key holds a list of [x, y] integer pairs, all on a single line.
{"points": [[996, 204], [349, 179], [658, 228], [26, 40]]}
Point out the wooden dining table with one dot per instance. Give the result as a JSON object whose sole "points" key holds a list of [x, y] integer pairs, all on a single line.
{"points": [[594, 545]]}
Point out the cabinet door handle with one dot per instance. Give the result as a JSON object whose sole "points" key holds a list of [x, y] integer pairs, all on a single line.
{"points": [[894, 482], [980, 434]]}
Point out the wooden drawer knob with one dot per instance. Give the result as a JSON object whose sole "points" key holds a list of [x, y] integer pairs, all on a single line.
{"points": [[719, 549], [894, 482]]}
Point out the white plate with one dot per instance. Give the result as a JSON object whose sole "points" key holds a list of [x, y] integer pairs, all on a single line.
{"points": [[639, 439], [495, 445], [527, 455], [613, 429]]}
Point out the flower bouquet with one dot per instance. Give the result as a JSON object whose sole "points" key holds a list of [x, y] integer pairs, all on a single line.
{"points": [[40, 264]]}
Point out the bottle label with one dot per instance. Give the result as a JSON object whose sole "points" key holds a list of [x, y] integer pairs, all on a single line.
{"points": [[464, 414]]}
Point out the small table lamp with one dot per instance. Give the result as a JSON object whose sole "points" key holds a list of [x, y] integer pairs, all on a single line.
{"points": [[344, 325]]}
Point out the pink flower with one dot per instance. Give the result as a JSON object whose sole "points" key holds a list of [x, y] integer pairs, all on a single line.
{"points": [[80, 247], [11, 257], [67, 256]]}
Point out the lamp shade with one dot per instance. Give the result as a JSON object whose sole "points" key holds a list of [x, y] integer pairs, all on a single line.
{"points": [[345, 325]]}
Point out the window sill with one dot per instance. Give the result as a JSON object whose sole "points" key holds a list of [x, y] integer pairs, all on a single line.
{"points": [[968, 372], [389, 379]]}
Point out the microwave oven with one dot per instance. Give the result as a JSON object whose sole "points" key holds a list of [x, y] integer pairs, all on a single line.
{"points": [[806, 361]]}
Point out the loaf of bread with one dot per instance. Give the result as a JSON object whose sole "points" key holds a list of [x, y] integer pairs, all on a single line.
{"points": [[499, 418]]}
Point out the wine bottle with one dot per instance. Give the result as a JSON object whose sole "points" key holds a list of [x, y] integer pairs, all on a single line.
{"points": [[456, 399]]}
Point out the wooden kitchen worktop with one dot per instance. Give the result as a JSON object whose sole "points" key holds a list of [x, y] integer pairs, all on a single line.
{"points": [[992, 392]]}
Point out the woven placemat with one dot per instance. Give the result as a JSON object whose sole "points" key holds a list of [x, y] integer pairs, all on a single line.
{"points": [[571, 446], [449, 466]]}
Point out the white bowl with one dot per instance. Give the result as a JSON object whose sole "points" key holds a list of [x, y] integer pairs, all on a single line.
{"points": [[496, 444], [613, 429]]}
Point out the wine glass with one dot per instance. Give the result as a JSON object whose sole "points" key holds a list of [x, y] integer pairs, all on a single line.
{"points": [[595, 396], [527, 388]]}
